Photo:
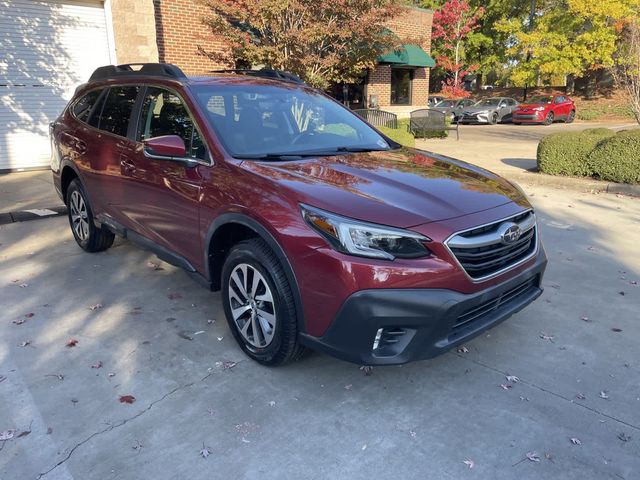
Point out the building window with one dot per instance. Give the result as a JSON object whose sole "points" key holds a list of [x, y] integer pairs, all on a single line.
{"points": [[401, 86]]}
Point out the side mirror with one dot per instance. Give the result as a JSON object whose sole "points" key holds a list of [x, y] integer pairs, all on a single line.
{"points": [[167, 147]]}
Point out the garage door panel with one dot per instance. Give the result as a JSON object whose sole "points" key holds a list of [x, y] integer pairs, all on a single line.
{"points": [[47, 48]]}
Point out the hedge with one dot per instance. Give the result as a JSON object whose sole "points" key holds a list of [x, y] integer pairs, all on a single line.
{"points": [[597, 152], [617, 158], [566, 153]]}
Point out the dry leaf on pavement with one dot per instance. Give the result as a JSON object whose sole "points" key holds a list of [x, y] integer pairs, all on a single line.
{"points": [[533, 456], [512, 379], [604, 395], [72, 343], [205, 452], [7, 434], [576, 441], [97, 306], [127, 399], [97, 365], [462, 349], [469, 463]]}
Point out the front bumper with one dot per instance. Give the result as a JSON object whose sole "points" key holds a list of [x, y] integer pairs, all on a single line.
{"points": [[475, 118], [422, 323], [536, 117]]}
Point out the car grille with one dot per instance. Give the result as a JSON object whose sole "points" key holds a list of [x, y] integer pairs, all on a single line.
{"points": [[479, 312], [483, 252]]}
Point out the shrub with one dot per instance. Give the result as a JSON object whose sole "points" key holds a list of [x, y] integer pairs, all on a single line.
{"points": [[566, 153], [400, 135], [617, 158]]}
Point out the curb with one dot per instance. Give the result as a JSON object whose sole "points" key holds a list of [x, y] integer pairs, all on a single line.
{"points": [[572, 183], [32, 214]]}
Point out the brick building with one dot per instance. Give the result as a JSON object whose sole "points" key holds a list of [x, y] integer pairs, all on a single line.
{"points": [[52, 46]]}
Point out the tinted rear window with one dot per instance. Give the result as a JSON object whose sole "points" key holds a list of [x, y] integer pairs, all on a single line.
{"points": [[82, 108], [117, 110]]}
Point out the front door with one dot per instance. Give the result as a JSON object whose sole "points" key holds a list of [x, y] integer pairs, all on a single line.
{"points": [[161, 196]]}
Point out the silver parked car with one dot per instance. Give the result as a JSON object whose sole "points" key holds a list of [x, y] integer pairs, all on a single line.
{"points": [[433, 100], [490, 110], [453, 108]]}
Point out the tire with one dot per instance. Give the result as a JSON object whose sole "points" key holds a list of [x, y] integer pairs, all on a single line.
{"points": [[87, 235], [571, 117], [549, 119], [270, 343], [517, 123], [493, 119]]}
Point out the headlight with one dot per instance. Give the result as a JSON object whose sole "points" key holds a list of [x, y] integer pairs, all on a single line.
{"points": [[539, 109], [365, 239]]}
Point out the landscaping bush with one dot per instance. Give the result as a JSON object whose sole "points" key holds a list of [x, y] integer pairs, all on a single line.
{"points": [[400, 135], [566, 153], [617, 158]]}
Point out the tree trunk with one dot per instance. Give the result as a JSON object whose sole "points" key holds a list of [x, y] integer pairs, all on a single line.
{"points": [[571, 84], [479, 80]]}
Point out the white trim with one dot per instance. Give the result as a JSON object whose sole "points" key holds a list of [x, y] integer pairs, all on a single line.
{"points": [[110, 36]]}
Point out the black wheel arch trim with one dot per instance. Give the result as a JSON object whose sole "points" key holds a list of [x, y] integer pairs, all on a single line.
{"points": [[267, 236]]}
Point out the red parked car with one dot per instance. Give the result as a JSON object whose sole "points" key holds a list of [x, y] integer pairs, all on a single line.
{"points": [[319, 231], [545, 109]]}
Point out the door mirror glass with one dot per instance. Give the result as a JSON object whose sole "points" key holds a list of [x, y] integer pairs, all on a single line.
{"points": [[171, 146]]}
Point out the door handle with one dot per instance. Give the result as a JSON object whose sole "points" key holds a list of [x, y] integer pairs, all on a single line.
{"points": [[127, 167]]}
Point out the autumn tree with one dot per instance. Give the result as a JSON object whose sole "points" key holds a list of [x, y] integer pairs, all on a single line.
{"points": [[569, 37], [452, 24], [322, 41], [627, 69]]}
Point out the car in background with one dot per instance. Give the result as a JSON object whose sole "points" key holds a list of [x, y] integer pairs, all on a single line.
{"points": [[434, 100], [489, 110], [545, 109], [452, 108]]}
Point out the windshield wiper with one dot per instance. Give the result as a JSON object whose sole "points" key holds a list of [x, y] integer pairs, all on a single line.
{"points": [[284, 156]]}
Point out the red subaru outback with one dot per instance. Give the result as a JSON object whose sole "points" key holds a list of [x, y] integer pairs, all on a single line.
{"points": [[320, 231]]}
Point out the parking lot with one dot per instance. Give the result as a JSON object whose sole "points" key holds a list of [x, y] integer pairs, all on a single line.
{"points": [[145, 333]]}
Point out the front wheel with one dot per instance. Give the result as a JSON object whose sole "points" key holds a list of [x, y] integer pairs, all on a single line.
{"points": [[258, 303], [493, 119], [87, 235], [549, 119]]}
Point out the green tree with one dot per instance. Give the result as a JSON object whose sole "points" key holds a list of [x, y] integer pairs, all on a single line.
{"points": [[322, 41]]}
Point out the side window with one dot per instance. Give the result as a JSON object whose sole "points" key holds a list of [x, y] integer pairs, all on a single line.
{"points": [[117, 110], [163, 113], [560, 99], [83, 107]]}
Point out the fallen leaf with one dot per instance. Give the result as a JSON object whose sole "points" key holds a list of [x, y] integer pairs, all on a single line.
{"points": [[544, 336], [580, 396], [211, 321], [364, 447], [624, 437], [576, 441], [127, 399], [198, 332], [72, 343], [462, 349], [533, 456], [348, 387], [617, 330], [367, 369], [49, 430], [512, 379], [111, 374], [413, 433], [621, 293], [97, 365], [586, 319], [174, 296], [524, 399], [137, 446], [550, 456], [20, 321], [74, 401], [604, 395], [7, 435], [23, 285], [154, 266], [97, 306], [29, 315], [272, 403], [205, 452], [469, 463], [24, 433], [505, 386], [25, 343], [220, 339]]}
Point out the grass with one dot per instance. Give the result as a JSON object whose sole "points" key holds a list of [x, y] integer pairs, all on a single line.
{"points": [[599, 111]]}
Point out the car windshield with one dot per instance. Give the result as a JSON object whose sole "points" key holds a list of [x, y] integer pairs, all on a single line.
{"points": [[541, 99], [266, 121], [446, 104], [488, 102]]}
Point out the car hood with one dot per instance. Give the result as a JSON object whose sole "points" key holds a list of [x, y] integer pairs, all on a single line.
{"points": [[401, 188], [480, 109], [526, 106]]}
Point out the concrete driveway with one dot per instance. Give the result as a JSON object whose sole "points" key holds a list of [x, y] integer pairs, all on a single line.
{"points": [[158, 337], [505, 148]]}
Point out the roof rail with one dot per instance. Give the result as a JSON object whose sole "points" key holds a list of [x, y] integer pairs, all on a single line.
{"points": [[265, 73], [154, 69]]}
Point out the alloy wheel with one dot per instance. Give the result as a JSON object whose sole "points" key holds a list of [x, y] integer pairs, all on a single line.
{"points": [[79, 216], [252, 305]]}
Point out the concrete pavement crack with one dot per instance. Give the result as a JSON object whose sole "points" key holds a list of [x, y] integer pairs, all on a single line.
{"points": [[122, 422], [550, 392]]}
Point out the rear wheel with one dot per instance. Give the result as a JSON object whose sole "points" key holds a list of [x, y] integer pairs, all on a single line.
{"points": [[571, 117], [517, 123], [258, 303], [87, 235], [549, 118]]}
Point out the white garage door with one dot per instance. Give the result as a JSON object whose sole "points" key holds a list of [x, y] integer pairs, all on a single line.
{"points": [[47, 48]]}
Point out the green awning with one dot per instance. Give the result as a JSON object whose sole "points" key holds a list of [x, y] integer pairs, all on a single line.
{"points": [[409, 55]]}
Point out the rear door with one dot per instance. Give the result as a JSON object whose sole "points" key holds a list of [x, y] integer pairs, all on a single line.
{"points": [[160, 195]]}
